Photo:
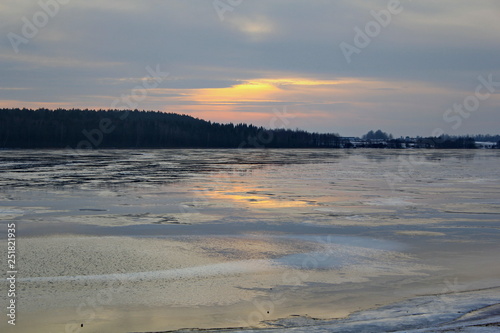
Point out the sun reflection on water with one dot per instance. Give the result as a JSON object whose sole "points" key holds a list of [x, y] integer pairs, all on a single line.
{"points": [[247, 196]]}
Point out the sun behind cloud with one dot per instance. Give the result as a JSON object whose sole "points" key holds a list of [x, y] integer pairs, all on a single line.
{"points": [[252, 91]]}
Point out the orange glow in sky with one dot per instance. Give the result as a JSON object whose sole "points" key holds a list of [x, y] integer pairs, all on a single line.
{"points": [[245, 92]]}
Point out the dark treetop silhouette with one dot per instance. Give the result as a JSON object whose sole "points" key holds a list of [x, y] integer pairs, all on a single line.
{"points": [[88, 129], [43, 128]]}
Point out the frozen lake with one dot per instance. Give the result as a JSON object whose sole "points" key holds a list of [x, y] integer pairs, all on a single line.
{"points": [[156, 240]]}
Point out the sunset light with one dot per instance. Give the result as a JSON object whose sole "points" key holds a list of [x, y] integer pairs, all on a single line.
{"points": [[250, 166]]}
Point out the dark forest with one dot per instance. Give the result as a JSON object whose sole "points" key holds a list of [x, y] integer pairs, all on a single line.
{"points": [[87, 129], [92, 129]]}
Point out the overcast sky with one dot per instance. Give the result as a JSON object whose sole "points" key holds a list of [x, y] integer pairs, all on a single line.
{"points": [[348, 66]]}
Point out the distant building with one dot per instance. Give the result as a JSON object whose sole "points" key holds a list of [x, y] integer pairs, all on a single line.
{"points": [[485, 145]]}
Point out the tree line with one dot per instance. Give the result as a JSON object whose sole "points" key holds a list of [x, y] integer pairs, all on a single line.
{"points": [[380, 139], [89, 129], [86, 129]]}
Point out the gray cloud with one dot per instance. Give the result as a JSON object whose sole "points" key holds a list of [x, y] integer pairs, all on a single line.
{"points": [[95, 50]]}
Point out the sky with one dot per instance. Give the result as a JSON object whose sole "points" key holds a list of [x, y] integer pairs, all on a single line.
{"points": [[349, 66]]}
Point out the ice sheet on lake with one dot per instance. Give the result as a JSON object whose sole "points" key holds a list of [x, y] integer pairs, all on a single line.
{"points": [[466, 312]]}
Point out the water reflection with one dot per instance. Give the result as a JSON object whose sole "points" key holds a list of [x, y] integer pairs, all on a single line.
{"points": [[248, 197], [118, 168]]}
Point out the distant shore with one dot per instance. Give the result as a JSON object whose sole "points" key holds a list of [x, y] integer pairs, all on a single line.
{"points": [[117, 129]]}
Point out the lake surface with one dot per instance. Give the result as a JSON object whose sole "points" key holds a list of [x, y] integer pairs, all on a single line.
{"points": [[155, 240]]}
